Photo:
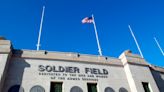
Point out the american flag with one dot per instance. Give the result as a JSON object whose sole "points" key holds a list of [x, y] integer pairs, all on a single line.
{"points": [[87, 20]]}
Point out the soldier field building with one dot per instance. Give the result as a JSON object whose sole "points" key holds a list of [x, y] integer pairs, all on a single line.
{"points": [[46, 71]]}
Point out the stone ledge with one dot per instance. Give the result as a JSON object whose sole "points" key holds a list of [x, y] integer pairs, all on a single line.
{"points": [[66, 56], [5, 42], [5, 46], [156, 68], [128, 57], [2, 38]]}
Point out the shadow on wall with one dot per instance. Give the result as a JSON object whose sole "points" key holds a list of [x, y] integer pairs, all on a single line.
{"points": [[16, 88], [159, 79], [15, 74]]}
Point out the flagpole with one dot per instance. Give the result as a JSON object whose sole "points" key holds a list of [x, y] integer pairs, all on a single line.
{"points": [[40, 30], [97, 39], [159, 46], [136, 41]]}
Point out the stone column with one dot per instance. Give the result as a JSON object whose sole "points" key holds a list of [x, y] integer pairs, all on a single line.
{"points": [[137, 71], [5, 54]]}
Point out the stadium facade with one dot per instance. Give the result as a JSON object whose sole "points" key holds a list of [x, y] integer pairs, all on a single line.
{"points": [[45, 71]]}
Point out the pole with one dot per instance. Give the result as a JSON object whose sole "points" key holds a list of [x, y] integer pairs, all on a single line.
{"points": [[97, 39], [135, 41], [40, 29], [159, 46]]}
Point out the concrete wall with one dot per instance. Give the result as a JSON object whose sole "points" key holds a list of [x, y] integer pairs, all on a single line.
{"points": [[25, 72], [137, 71], [5, 53], [21, 67], [143, 74]]}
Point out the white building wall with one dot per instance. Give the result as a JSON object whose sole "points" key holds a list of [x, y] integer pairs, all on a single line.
{"points": [[137, 71], [130, 78], [25, 72], [5, 54], [143, 74]]}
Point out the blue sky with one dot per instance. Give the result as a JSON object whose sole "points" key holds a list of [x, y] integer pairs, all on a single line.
{"points": [[63, 30]]}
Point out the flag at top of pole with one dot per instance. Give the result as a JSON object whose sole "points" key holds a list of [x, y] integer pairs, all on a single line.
{"points": [[87, 20], [92, 20]]}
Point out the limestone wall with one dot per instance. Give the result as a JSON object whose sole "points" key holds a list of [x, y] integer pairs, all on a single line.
{"points": [[26, 73]]}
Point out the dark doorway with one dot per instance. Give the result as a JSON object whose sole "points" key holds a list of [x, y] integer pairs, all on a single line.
{"points": [[56, 87], [92, 87], [146, 86]]}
